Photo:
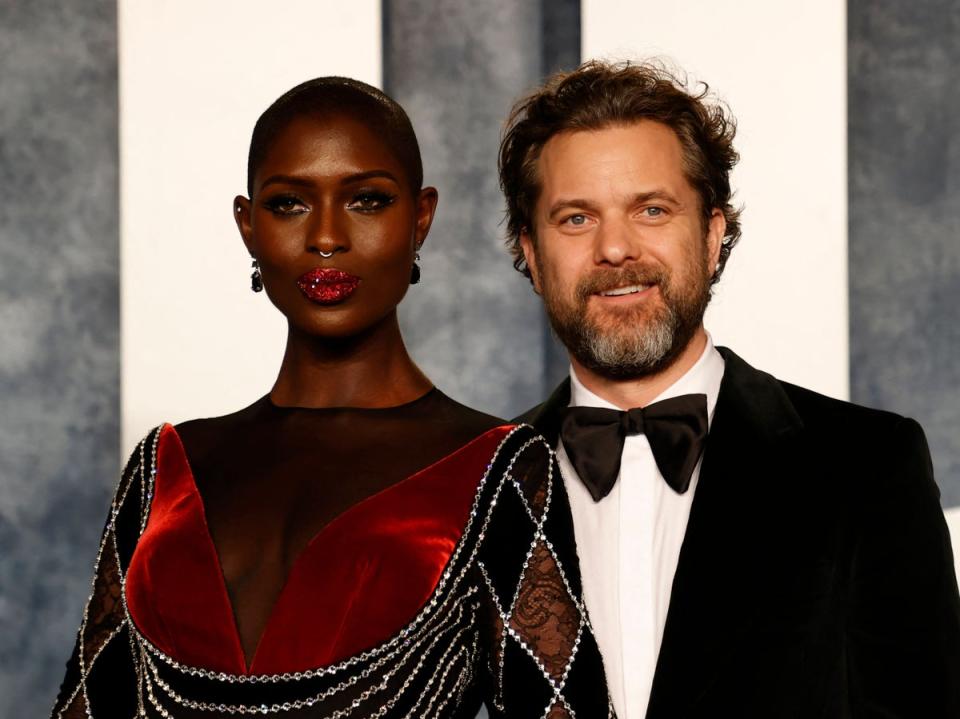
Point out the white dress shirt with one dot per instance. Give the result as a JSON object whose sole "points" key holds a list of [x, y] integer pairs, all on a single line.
{"points": [[629, 543]]}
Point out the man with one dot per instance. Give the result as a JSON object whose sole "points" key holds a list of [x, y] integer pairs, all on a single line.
{"points": [[739, 547]]}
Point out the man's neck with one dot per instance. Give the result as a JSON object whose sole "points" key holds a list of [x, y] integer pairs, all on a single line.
{"points": [[628, 393]]}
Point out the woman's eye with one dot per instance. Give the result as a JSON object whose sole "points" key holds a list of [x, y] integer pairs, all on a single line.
{"points": [[369, 201], [285, 205]]}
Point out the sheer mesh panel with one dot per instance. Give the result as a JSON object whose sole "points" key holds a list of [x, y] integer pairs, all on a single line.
{"points": [[272, 477], [544, 615]]}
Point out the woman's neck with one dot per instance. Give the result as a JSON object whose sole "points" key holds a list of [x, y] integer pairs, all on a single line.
{"points": [[372, 369]]}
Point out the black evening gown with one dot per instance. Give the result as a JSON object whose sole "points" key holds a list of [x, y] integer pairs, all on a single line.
{"points": [[298, 562]]}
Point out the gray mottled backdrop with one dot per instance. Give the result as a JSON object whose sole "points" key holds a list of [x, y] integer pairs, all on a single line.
{"points": [[59, 363], [905, 218], [473, 323]]}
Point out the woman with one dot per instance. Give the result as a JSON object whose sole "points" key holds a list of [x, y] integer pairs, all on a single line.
{"points": [[314, 554]]}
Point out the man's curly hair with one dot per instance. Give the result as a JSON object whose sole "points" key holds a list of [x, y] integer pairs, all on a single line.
{"points": [[599, 94]]}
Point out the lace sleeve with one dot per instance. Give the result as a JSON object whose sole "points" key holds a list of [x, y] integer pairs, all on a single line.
{"points": [[102, 653]]}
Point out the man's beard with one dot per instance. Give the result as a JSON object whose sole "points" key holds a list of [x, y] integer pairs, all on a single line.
{"points": [[629, 342]]}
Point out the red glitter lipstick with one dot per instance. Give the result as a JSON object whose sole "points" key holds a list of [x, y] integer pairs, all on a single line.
{"points": [[327, 286]]}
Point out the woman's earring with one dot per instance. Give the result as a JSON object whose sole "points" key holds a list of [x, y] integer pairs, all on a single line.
{"points": [[256, 281], [415, 271]]}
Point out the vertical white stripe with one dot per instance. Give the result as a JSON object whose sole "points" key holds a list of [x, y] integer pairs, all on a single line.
{"points": [[194, 77], [953, 523], [782, 303]]}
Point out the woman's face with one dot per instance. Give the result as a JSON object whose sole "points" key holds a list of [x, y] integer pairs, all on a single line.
{"points": [[334, 225]]}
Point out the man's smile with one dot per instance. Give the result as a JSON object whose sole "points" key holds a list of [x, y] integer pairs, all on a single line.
{"points": [[625, 294], [625, 290]]}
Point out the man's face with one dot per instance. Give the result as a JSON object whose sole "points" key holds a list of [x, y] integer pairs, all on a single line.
{"points": [[622, 255]]}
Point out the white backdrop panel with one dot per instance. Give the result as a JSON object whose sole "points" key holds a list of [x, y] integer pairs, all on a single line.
{"points": [[782, 303], [194, 77], [953, 522]]}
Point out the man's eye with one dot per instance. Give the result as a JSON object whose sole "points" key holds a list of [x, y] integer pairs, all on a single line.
{"points": [[368, 201], [653, 211], [285, 205], [576, 220]]}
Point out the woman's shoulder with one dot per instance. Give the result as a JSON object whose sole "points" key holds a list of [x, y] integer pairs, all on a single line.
{"points": [[459, 420], [466, 427], [201, 426], [203, 435]]}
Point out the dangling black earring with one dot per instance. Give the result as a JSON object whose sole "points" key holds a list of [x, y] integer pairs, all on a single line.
{"points": [[256, 281], [415, 271]]}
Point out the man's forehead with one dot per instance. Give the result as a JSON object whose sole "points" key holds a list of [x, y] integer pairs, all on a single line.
{"points": [[642, 133], [637, 152]]}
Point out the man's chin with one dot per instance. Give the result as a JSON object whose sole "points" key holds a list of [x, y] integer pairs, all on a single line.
{"points": [[624, 369], [626, 319], [631, 350]]}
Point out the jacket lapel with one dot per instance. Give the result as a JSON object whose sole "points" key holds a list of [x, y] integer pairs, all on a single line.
{"points": [[722, 557], [546, 417]]}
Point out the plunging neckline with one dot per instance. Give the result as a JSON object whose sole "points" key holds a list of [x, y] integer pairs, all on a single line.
{"points": [[355, 513], [249, 663]]}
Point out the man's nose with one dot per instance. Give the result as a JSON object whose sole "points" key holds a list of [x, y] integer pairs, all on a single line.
{"points": [[616, 242]]}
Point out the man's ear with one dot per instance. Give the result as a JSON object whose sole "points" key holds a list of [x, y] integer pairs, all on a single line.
{"points": [[716, 229], [241, 215], [529, 248]]}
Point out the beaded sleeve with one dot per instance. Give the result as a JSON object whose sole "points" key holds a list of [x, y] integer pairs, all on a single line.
{"points": [[104, 646], [542, 655]]}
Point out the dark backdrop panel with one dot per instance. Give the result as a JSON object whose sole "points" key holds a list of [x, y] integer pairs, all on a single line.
{"points": [[905, 218], [473, 323], [59, 378]]}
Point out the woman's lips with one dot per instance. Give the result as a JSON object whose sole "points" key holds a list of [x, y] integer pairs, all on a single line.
{"points": [[327, 286]]}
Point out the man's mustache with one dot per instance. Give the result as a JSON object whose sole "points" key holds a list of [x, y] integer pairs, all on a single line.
{"points": [[606, 280]]}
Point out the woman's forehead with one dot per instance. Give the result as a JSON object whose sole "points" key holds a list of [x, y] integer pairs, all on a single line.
{"points": [[329, 144]]}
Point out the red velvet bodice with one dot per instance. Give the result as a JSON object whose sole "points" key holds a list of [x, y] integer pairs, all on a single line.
{"points": [[360, 580]]}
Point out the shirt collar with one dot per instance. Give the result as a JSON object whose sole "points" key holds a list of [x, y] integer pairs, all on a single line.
{"points": [[703, 378]]}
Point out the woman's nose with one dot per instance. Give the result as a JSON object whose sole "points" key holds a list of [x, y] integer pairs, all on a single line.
{"points": [[327, 234]]}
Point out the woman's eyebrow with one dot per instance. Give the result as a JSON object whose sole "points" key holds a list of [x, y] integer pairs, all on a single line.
{"points": [[347, 180], [361, 176], [286, 180]]}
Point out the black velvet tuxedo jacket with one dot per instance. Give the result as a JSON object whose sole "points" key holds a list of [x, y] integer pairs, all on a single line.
{"points": [[816, 577]]}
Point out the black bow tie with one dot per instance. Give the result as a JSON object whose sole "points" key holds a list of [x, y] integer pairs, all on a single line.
{"points": [[676, 429]]}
